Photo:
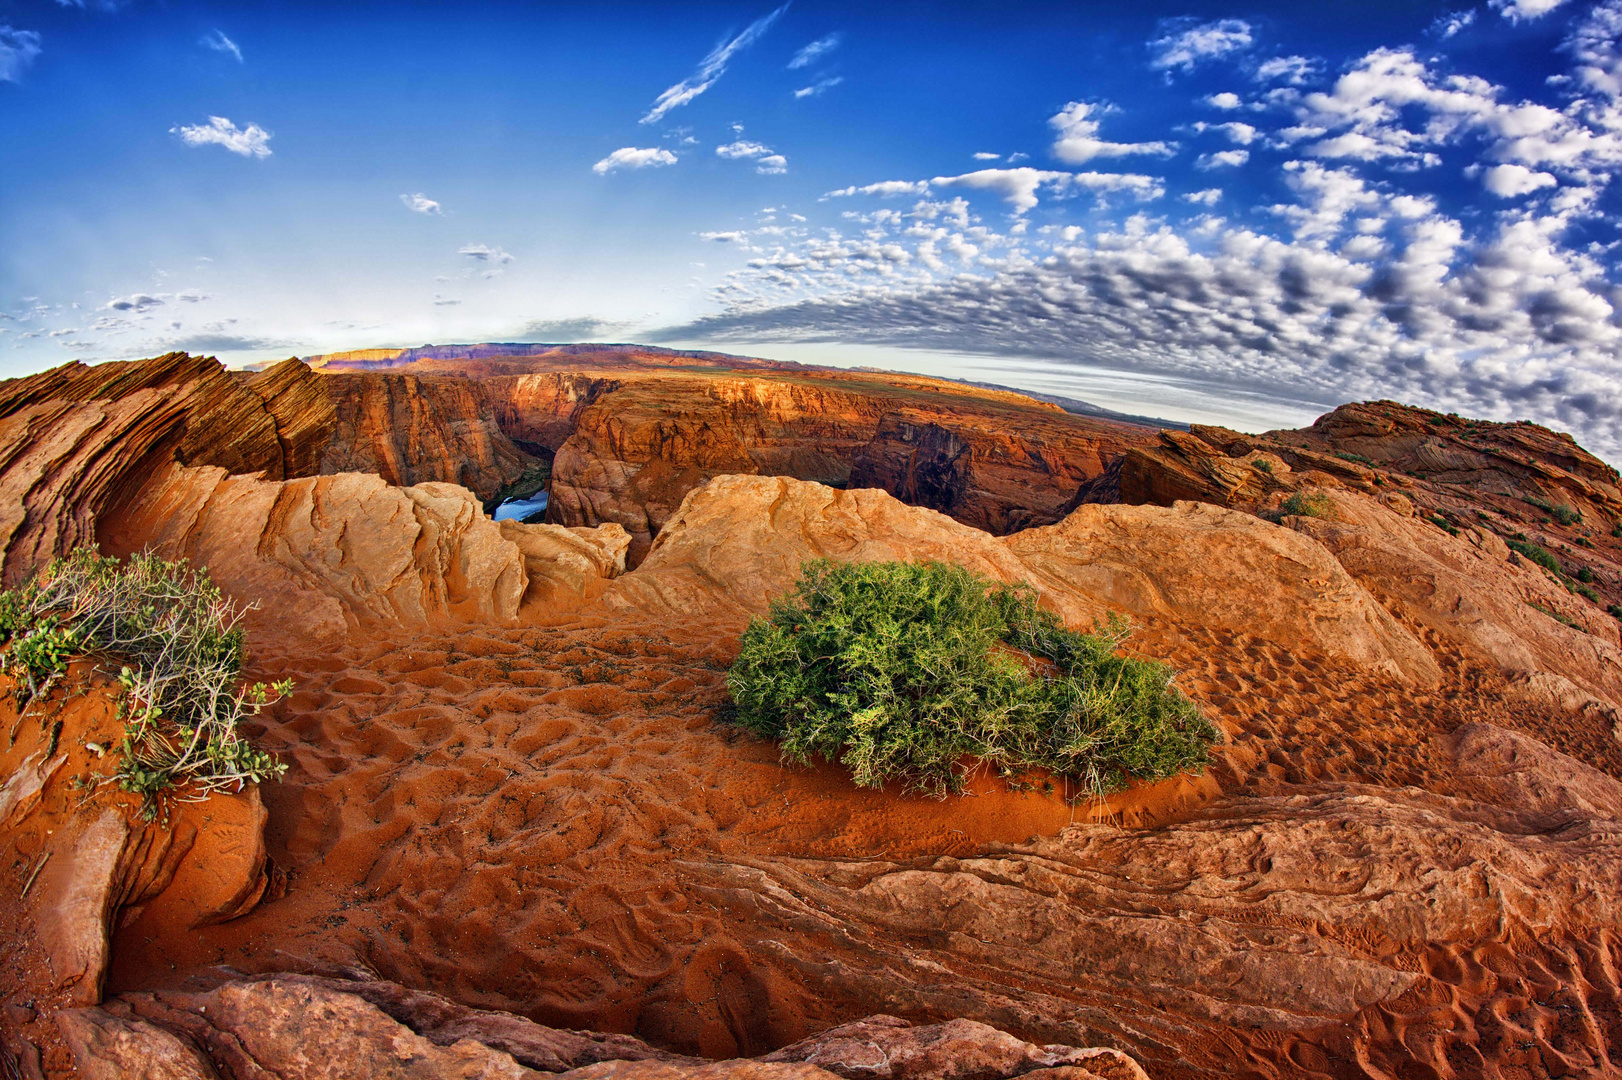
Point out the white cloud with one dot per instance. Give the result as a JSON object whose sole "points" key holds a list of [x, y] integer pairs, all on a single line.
{"points": [[216, 40], [1224, 100], [18, 49], [1241, 134], [484, 254], [421, 203], [711, 68], [1509, 181], [742, 149], [767, 161], [134, 302], [631, 157], [731, 237], [1222, 159], [1391, 106], [1208, 197], [1453, 23], [884, 188], [818, 87], [1186, 42], [1522, 10], [1019, 187], [1294, 70], [986, 155], [815, 51], [251, 141], [1078, 140]]}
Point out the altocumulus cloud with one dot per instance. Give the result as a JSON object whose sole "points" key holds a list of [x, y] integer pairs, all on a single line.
{"points": [[631, 157], [251, 141], [1358, 283]]}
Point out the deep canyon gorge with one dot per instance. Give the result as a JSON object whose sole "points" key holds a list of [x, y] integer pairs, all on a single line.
{"points": [[518, 836]]}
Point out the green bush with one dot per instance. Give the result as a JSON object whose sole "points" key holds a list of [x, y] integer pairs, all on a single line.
{"points": [[1615, 611], [1562, 513], [1264, 465], [1585, 575], [1537, 554], [909, 670], [179, 647], [1305, 504]]}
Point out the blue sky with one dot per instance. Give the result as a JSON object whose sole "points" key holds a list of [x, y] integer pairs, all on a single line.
{"points": [[1242, 213]]}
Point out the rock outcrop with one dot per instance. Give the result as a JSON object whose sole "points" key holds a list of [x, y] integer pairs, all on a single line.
{"points": [[568, 567], [1196, 565], [302, 1028], [738, 541], [324, 554]]}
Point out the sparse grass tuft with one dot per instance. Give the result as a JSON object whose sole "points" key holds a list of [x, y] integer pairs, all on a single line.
{"points": [[912, 671], [179, 647], [1556, 616]]}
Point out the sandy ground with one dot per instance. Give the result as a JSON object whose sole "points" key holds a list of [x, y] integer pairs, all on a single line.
{"points": [[509, 816]]}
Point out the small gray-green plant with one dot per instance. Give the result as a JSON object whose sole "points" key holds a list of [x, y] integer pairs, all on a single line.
{"points": [[915, 671], [1264, 465], [178, 644]]}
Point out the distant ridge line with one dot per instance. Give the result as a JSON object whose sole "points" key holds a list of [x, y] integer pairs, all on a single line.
{"points": [[376, 359]]}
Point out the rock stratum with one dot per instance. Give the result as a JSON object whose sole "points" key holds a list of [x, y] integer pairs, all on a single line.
{"points": [[518, 837]]}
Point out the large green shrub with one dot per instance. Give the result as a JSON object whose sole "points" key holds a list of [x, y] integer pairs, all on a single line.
{"points": [[914, 671], [178, 649]]}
